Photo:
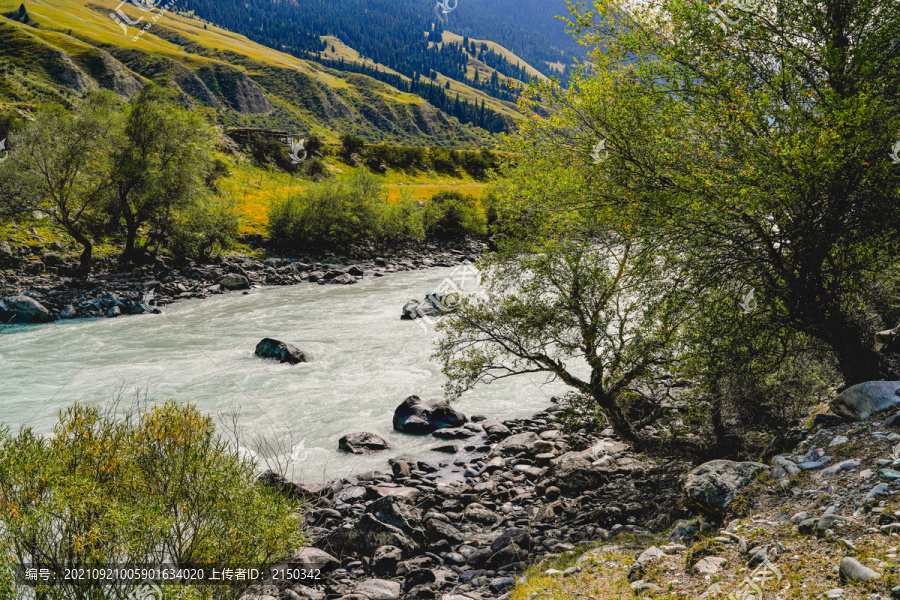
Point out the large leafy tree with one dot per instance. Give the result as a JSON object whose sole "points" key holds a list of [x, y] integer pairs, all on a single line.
{"points": [[57, 167], [159, 162], [600, 313], [754, 142]]}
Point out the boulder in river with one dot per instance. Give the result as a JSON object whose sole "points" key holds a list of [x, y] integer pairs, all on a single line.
{"points": [[421, 417], [343, 279], [284, 352], [234, 282], [362, 443], [861, 401], [22, 309], [434, 305], [714, 486]]}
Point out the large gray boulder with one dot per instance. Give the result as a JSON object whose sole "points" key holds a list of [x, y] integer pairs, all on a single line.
{"points": [[573, 472], [388, 521], [714, 486], [421, 417], [861, 401], [284, 352], [22, 309], [233, 282], [528, 443], [378, 589], [362, 443]]}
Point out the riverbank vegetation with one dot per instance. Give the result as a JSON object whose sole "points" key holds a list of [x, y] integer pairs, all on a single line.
{"points": [[758, 172], [357, 210], [154, 487], [146, 176]]}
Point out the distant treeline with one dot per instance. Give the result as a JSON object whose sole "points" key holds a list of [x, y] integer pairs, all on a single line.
{"points": [[477, 163], [478, 115]]}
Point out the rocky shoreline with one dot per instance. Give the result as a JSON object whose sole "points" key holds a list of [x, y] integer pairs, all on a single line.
{"points": [[46, 289], [465, 528], [527, 491]]}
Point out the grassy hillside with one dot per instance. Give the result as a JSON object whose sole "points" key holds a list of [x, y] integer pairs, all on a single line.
{"points": [[68, 47]]}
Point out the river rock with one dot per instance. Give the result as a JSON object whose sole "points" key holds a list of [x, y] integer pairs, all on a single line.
{"points": [[343, 279], [572, 472], [527, 442], [400, 512], [714, 486], [314, 558], [362, 443], [861, 401], [284, 352], [378, 589], [364, 536], [421, 417], [234, 282], [22, 309], [854, 570]]}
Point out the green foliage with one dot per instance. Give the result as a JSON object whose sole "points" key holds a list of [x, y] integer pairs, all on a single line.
{"points": [[452, 216], [444, 160], [599, 314], [328, 215], [160, 161], [206, 227], [350, 145], [60, 166], [160, 487], [267, 151], [759, 154]]}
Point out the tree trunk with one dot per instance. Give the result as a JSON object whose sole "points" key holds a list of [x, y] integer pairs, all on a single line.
{"points": [[618, 420], [84, 268], [131, 229], [857, 359]]}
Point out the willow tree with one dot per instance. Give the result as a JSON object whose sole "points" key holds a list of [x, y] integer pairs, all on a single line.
{"points": [[57, 167], [756, 142], [160, 159], [600, 313]]}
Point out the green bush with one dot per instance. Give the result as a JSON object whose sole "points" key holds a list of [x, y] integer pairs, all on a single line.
{"points": [[401, 220], [267, 151], [351, 144], [444, 160], [208, 226], [159, 487], [315, 168], [328, 215], [453, 216]]}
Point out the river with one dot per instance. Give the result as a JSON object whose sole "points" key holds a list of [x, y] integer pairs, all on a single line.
{"points": [[365, 362]]}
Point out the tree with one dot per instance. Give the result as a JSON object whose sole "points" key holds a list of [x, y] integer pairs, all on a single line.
{"points": [[598, 314], [758, 150], [159, 162], [59, 165]]}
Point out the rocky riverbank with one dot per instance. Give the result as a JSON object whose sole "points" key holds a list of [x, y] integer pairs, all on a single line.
{"points": [[509, 494], [45, 288], [530, 511]]}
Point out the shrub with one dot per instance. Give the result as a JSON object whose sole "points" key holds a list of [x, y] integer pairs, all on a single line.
{"points": [[351, 144], [160, 487], [401, 220], [315, 168], [314, 146], [334, 214], [452, 216], [208, 226], [444, 160], [328, 215]]}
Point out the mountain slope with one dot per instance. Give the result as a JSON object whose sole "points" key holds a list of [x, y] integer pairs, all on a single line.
{"points": [[388, 32], [68, 47]]}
